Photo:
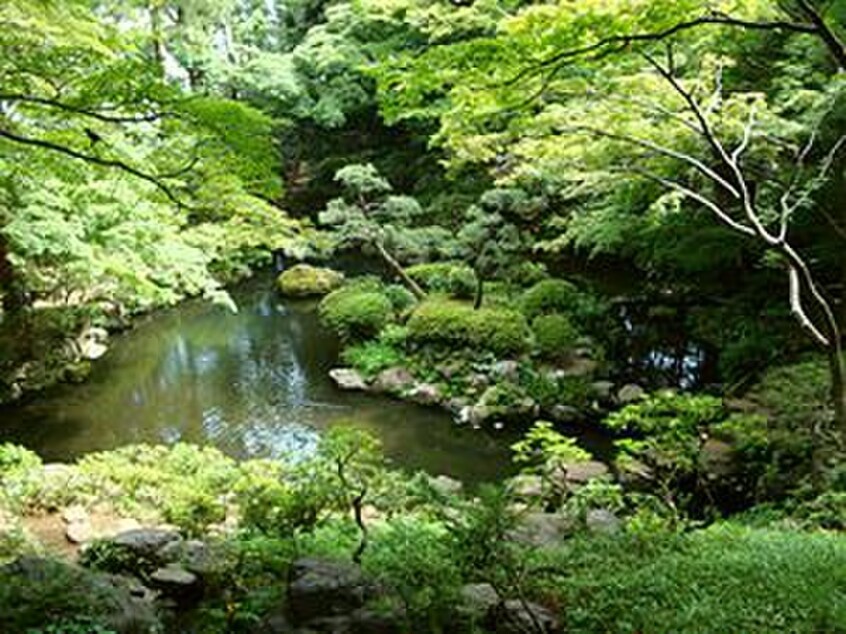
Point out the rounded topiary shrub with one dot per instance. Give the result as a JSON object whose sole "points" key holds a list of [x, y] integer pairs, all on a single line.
{"points": [[355, 314], [455, 279], [453, 324], [555, 336], [304, 280], [549, 296]]}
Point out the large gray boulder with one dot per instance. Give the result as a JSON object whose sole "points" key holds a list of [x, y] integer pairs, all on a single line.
{"points": [[540, 529], [348, 379], [393, 380], [517, 617], [320, 588], [145, 543]]}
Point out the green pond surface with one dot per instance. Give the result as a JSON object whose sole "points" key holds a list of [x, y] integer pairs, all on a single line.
{"points": [[253, 384]]}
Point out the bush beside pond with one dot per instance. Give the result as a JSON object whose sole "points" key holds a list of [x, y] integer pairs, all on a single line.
{"points": [[355, 312], [453, 324]]}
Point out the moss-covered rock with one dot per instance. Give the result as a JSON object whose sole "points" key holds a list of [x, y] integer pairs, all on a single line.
{"points": [[304, 280]]}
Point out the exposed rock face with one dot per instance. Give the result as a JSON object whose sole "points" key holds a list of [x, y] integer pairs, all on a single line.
{"points": [[630, 393], [446, 485], [176, 583], [582, 472], [517, 617], [477, 600], [145, 543], [193, 555], [425, 394], [602, 521], [320, 588], [393, 380], [717, 458], [507, 370], [566, 414], [304, 280], [348, 379], [84, 527], [543, 529]]}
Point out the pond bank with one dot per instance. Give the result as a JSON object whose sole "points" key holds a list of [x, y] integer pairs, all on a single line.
{"points": [[254, 384]]}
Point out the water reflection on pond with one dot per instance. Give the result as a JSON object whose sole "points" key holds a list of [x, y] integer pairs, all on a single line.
{"points": [[253, 384]]}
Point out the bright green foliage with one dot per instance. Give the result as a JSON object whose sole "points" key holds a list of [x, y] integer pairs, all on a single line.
{"points": [[723, 579], [413, 557], [372, 357], [669, 431], [356, 314], [555, 336], [19, 469], [452, 324], [549, 296], [549, 454], [119, 187], [451, 278]]}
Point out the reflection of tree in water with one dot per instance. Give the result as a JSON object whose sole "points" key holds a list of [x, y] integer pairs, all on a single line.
{"points": [[253, 384]]}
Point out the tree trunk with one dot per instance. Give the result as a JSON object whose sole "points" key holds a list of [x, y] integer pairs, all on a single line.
{"points": [[838, 389], [13, 297], [415, 289], [158, 44], [480, 290]]}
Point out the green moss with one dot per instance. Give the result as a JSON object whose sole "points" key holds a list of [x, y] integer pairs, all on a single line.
{"points": [[356, 314], [304, 280], [452, 324]]}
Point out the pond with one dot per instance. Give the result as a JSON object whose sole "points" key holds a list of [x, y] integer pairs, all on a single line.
{"points": [[253, 384]]}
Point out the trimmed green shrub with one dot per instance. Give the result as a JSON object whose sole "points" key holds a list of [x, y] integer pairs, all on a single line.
{"points": [[355, 314], [458, 280], [555, 336], [453, 324], [550, 296]]}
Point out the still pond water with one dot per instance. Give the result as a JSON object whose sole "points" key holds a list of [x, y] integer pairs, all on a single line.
{"points": [[253, 384]]}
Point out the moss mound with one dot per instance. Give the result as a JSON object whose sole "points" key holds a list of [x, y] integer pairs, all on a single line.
{"points": [[304, 280], [453, 324]]}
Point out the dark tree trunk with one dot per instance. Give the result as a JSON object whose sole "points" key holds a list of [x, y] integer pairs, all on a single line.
{"points": [[480, 291], [395, 266], [13, 297]]}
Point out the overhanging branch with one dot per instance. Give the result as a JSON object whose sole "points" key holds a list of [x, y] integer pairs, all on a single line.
{"points": [[93, 159]]}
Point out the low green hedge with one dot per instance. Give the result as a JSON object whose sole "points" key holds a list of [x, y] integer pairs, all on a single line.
{"points": [[454, 324]]}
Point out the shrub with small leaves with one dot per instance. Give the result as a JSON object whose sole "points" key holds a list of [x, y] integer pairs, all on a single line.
{"points": [[356, 314], [548, 297], [555, 336]]}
